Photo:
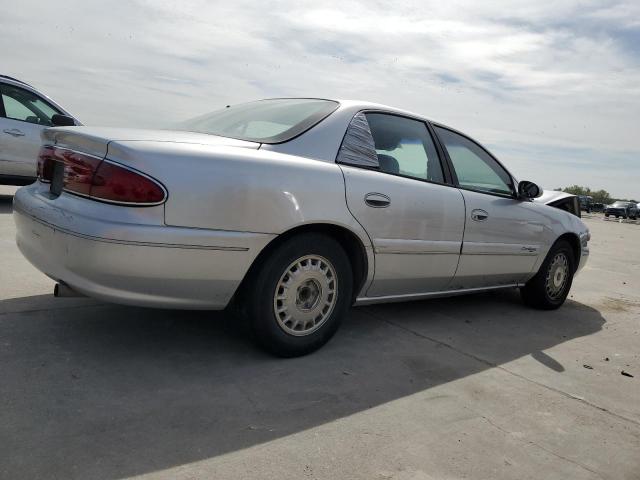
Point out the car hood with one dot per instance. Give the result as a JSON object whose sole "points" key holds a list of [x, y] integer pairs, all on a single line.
{"points": [[551, 196]]}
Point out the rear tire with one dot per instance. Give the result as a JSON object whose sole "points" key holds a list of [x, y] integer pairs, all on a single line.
{"points": [[299, 295], [549, 288]]}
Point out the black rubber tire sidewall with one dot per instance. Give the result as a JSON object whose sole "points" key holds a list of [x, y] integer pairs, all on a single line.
{"points": [[534, 292], [265, 328]]}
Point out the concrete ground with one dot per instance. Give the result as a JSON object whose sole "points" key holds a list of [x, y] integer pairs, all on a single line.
{"points": [[473, 387]]}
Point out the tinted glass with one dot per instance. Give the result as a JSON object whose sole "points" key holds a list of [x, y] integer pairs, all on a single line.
{"points": [[268, 121], [475, 168], [405, 147], [20, 104]]}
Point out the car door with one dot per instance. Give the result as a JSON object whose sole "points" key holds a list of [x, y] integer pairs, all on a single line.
{"points": [[503, 235], [396, 189], [24, 116]]}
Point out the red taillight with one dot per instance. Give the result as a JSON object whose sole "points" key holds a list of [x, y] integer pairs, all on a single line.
{"points": [[45, 163], [117, 184], [99, 179], [79, 170]]}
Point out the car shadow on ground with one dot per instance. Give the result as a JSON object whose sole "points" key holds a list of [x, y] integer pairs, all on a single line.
{"points": [[6, 203], [105, 391]]}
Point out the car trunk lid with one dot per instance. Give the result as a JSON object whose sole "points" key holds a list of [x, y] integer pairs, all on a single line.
{"points": [[95, 140]]}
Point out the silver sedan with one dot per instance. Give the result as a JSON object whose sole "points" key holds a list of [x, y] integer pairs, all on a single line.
{"points": [[24, 113], [291, 210]]}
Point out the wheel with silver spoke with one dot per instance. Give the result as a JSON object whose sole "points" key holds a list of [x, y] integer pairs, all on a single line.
{"points": [[300, 294], [549, 288], [305, 295], [557, 275]]}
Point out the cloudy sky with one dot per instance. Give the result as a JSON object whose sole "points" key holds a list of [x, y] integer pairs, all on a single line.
{"points": [[552, 88]]}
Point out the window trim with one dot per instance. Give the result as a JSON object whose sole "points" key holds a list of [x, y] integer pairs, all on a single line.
{"points": [[3, 113], [513, 194], [448, 178]]}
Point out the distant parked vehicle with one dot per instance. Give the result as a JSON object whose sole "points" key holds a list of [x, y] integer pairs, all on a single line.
{"points": [[586, 202], [24, 113], [622, 209], [597, 207]]}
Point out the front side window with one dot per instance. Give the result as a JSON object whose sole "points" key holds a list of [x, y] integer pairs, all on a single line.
{"points": [[264, 121], [474, 167], [23, 105]]}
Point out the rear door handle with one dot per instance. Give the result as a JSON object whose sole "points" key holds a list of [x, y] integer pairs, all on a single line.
{"points": [[479, 215], [14, 132], [377, 200]]}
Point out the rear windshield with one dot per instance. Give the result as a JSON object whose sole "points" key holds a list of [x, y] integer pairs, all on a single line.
{"points": [[265, 121]]}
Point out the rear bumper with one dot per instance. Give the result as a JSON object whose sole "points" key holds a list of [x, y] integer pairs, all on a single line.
{"points": [[145, 265]]}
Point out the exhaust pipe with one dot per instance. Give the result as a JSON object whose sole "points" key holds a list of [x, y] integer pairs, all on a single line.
{"points": [[64, 290]]}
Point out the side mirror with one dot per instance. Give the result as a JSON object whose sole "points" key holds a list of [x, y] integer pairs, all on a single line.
{"points": [[62, 121], [528, 190]]}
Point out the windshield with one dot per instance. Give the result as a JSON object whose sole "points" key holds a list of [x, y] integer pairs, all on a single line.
{"points": [[619, 204], [265, 121]]}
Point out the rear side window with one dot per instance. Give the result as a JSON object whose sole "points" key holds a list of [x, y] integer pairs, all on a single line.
{"points": [[265, 121], [25, 106], [474, 167]]}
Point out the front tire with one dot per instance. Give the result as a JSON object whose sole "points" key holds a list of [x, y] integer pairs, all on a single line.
{"points": [[549, 288], [300, 294]]}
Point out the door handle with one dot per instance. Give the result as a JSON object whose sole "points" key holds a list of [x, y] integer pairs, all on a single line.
{"points": [[377, 200], [14, 132], [479, 215]]}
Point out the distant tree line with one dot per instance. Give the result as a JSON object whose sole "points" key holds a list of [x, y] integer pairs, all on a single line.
{"points": [[599, 196]]}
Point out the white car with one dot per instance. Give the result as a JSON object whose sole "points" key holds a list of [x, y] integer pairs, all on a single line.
{"points": [[293, 210], [24, 113]]}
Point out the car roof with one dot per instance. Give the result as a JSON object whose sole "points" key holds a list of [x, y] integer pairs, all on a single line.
{"points": [[361, 105], [364, 105], [14, 80]]}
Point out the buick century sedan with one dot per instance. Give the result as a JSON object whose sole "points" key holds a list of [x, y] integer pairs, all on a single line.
{"points": [[291, 210]]}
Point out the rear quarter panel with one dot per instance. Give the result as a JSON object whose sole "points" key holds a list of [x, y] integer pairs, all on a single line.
{"points": [[228, 188]]}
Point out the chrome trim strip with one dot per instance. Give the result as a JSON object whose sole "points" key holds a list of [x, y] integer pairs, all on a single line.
{"points": [[524, 253], [495, 248], [412, 252], [129, 242], [421, 296], [400, 246]]}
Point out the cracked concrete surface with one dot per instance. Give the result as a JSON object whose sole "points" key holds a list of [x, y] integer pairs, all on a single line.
{"points": [[468, 387]]}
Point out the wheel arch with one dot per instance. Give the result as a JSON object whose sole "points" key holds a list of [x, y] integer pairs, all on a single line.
{"points": [[349, 240], [573, 240]]}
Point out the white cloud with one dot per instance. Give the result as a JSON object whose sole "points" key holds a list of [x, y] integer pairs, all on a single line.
{"points": [[538, 78]]}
